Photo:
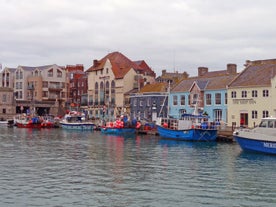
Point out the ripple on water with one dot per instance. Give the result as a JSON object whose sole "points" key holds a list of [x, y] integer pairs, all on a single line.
{"points": [[61, 168]]}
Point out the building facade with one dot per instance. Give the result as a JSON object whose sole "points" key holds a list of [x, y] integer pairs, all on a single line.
{"points": [[207, 91], [251, 95], [7, 106], [109, 79], [150, 102], [7, 77]]}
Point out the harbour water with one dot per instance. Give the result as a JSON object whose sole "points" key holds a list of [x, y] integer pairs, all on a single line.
{"points": [[55, 167]]}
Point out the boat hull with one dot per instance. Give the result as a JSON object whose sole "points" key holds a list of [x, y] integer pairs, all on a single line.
{"points": [[77, 126], [29, 125], [203, 135], [117, 131], [254, 145]]}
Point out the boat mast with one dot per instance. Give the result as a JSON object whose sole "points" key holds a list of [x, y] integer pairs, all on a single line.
{"points": [[168, 106]]}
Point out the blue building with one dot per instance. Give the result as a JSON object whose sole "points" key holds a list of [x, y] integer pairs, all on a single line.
{"points": [[208, 89]]}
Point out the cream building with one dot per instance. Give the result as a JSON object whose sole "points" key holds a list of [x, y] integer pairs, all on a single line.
{"points": [[7, 77], [109, 79], [41, 83], [252, 94]]}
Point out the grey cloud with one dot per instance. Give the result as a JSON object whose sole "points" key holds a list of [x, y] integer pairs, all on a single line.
{"points": [[174, 35]]}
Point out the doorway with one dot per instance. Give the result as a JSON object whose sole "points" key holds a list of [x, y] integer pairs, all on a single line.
{"points": [[243, 119]]}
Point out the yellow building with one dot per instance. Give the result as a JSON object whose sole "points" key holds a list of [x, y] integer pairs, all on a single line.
{"points": [[252, 94]]}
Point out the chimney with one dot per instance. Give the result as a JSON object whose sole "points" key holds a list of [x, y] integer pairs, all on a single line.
{"points": [[95, 62], [202, 71], [163, 72], [231, 68]]}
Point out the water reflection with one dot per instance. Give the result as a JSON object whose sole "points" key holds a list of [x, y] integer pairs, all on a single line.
{"points": [[175, 143], [74, 168]]}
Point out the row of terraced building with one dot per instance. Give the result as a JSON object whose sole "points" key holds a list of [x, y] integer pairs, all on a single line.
{"points": [[116, 85]]}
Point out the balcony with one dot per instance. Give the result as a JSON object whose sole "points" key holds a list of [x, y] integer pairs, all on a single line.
{"points": [[55, 88]]}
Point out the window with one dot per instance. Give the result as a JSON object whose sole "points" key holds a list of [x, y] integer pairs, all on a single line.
{"points": [[218, 115], [265, 114], [45, 84], [141, 102], [50, 73], [182, 100], [195, 98], [148, 102], [244, 94], [254, 93], [254, 114], [20, 94], [135, 102], [218, 98], [174, 100], [225, 99], [208, 99], [233, 94], [59, 74], [4, 98], [106, 70], [265, 93], [45, 94]]}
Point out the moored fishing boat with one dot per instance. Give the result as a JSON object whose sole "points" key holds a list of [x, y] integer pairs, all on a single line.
{"points": [[76, 121], [28, 121], [117, 131], [189, 128], [119, 127], [259, 139], [49, 121]]}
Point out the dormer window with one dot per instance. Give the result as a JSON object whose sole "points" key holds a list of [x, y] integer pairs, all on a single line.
{"points": [[59, 74], [50, 73]]}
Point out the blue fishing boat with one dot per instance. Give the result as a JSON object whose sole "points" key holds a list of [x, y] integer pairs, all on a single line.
{"points": [[76, 121], [119, 127], [260, 139], [117, 131], [189, 128]]}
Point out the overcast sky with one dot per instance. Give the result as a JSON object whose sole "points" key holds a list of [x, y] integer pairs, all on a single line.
{"points": [[176, 35]]}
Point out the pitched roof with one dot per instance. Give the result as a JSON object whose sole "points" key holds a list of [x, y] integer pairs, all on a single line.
{"points": [[257, 73], [37, 67], [145, 67], [9, 69], [204, 83], [154, 87], [120, 64]]}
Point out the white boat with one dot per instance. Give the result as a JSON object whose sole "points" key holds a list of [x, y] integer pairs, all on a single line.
{"points": [[76, 121], [260, 139]]}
